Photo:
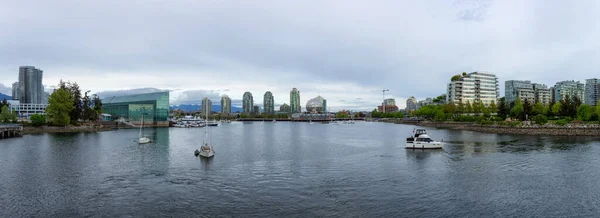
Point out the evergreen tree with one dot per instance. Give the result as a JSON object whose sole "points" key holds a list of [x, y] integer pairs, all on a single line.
{"points": [[60, 105], [98, 107], [77, 112], [503, 108]]}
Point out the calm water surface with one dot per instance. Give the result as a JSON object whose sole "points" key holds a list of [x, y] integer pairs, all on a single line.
{"points": [[298, 170]]}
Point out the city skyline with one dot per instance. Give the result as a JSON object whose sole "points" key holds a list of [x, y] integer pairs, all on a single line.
{"points": [[351, 56]]}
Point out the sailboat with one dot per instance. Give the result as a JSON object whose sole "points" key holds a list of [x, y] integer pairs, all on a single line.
{"points": [[205, 150], [143, 139]]}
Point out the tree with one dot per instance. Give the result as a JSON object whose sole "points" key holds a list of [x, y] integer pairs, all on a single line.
{"points": [[598, 110], [455, 78], [585, 112], [503, 109], [461, 108], [464, 73], [97, 107], [88, 113], [6, 116], [476, 107], [341, 115], [38, 120], [556, 108], [540, 119], [440, 116], [450, 108], [493, 108], [60, 106], [527, 109], [77, 112], [517, 110], [538, 108], [468, 107], [3, 103]]}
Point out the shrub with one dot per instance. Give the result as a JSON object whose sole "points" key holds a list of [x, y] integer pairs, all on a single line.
{"points": [[540, 119], [561, 122], [38, 120]]}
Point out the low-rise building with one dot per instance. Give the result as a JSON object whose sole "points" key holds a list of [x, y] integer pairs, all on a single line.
{"points": [[153, 106]]}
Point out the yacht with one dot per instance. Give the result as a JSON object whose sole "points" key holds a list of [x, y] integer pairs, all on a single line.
{"points": [[421, 140]]}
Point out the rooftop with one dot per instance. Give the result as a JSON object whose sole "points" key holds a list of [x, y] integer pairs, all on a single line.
{"points": [[134, 98]]}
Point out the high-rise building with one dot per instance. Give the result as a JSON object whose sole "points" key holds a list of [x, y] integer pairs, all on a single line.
{"points": [[206, 106], [592, 91], [474, 87], [295, 101], [512, 89], [542, 94], [31, 90], [225, 104], [269, 103], [256, 110], [390, 106], [247, 103], [411, 104], [571, 88], [15, 91], [284, 108]]}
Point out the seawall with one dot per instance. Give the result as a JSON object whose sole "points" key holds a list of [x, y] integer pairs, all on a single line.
{"points": [[548, 129]]}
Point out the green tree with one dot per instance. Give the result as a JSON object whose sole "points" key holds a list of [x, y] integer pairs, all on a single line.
{"points": [[556, 108], [60, 105], [585, 112], [517, 110], [88, 112], [461, 108], [3, 103], [476, 107], [598, 110], [341, 115], [503, 108], [450, 108], [468, 107], [455, 78], [38, 120], [493, 108], [77, 112], [538, 108], [440, 116], [97, 107], [527, 109], [6, 116], [464, 73], [540, 119]]}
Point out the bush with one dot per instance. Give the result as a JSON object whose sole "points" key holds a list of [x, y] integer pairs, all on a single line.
{"points": [[540, 119], [38, 120], [561, 122]]}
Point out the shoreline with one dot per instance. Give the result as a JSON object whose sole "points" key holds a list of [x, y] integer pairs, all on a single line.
{"points": [[545, 130], [29, 130]]}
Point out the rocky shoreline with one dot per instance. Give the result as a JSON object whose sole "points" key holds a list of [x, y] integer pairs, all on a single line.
{"points": [[68, 129], [548, 129]]}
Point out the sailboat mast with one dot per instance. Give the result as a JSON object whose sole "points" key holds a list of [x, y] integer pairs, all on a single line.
{"points": [[142, 126]]}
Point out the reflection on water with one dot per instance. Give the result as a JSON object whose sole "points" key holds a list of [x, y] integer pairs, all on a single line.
{"points": [[298, 170]]}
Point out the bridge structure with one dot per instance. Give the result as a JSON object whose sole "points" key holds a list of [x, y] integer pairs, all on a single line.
{"points": [[10, 131]]}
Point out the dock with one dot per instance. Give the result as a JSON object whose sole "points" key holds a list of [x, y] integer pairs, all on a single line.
{"points": [[10, 131]]}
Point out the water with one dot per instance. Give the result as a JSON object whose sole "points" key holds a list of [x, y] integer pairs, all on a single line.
{"points": [[298, 170]]}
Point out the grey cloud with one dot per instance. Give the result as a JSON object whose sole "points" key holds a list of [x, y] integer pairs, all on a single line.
{"points": [[5, 89], [410, 47]]}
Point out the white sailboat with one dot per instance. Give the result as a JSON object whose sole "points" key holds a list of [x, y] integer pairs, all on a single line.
{"points": [[206, 150], [143, 139]]}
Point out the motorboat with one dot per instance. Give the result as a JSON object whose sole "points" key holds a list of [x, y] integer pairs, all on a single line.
{"points": [[211, 123], [420, 140], [274, 121]]}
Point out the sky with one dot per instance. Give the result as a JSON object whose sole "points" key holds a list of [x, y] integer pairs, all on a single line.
{"points": [[346, 51]]}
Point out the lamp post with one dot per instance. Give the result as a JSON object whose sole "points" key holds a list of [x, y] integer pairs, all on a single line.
{"points": [[383, 102]]}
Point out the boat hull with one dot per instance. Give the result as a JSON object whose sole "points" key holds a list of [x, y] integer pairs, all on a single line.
{"points": [[144, 140], [207, 154], [430, 145]]}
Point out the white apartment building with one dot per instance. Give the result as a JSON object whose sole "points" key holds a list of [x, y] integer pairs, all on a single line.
{"points": [[474, 87]]}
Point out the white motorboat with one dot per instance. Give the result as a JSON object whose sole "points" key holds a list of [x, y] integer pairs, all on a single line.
{"points": [[421, 140], [274, 121], [143, 139]]}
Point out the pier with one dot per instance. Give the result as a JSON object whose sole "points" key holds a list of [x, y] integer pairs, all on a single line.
{"points": [[9, 131]]}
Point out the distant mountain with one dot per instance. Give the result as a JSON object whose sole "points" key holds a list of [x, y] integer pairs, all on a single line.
{"points": [[195, 107], [3, 96]]}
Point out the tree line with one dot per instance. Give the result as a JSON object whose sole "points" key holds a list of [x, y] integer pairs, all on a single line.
{"points": [[67, 106]]}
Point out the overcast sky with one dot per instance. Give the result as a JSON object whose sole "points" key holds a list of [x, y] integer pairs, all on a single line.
{"points": [[347, 51]]}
